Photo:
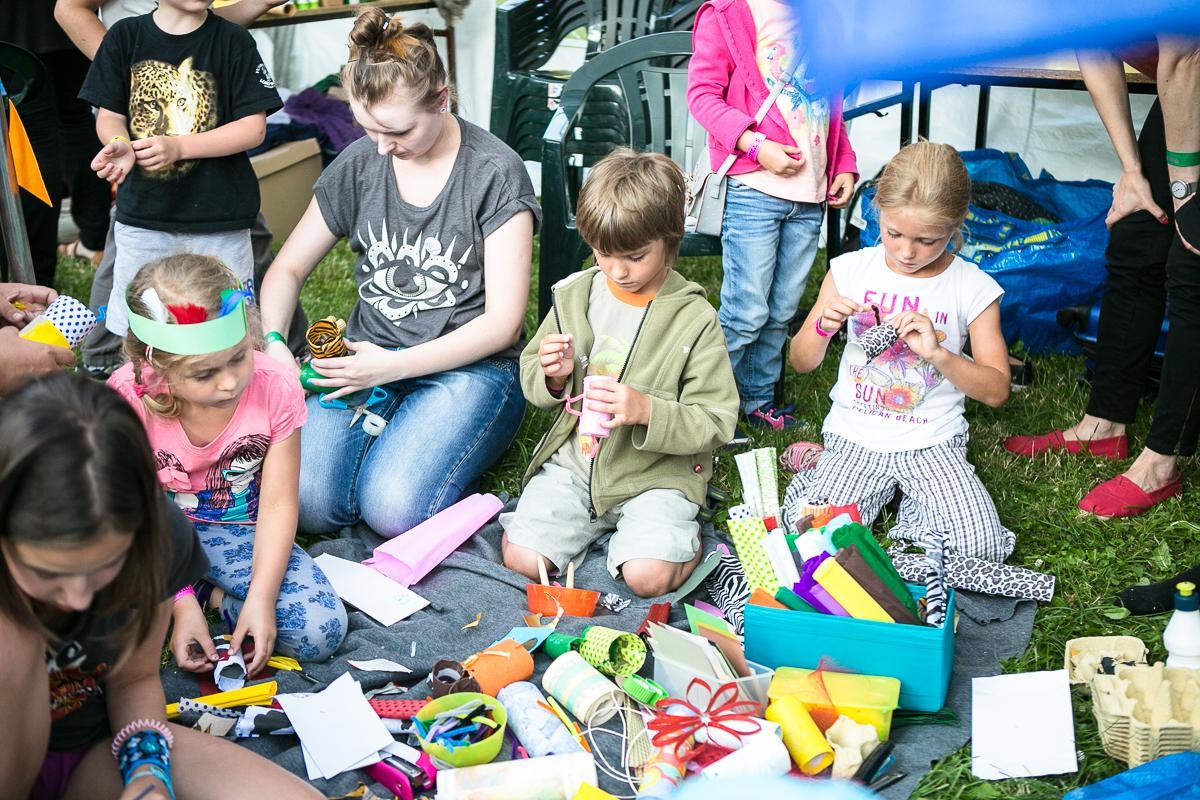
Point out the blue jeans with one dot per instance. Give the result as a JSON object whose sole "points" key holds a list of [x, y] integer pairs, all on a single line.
{"points": [[769, 246], [443, 431], [310, 619]]}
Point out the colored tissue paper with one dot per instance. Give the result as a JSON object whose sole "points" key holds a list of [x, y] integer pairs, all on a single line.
{"points": [[860, 536], [410, 556], [748, 536], [858, 569], [846, 591], [814, 593], [780, 556], [536, 726]]}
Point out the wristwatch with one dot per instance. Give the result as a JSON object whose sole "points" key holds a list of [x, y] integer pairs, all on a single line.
{"points": [[1183, 189]]}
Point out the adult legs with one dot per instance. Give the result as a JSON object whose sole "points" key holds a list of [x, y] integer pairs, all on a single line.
{"points": [[1131, 311], [750, 241], [448, 429], [90, 194]]}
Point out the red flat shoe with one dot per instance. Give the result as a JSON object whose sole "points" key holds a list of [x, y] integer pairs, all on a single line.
{"points": [[1121, 497], [1113, 448]]}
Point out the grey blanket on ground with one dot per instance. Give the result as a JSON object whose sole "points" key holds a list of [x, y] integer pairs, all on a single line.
{"points": [[473, 580]]}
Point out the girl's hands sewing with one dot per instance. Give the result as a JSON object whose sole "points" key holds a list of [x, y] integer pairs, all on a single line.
{"points": [[191, 641], [369, 365], [256, 620], [556, 354], [917, 331], [627, 405], [837, 311]]}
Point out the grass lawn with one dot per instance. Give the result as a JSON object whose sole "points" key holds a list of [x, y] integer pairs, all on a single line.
{"points": [[1093, 559]]}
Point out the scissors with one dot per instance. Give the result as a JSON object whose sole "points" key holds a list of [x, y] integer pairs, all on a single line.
{"points": [[378, 395]]}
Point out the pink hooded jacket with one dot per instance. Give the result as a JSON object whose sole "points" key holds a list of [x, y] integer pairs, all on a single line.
{"points": [[725, 91]]}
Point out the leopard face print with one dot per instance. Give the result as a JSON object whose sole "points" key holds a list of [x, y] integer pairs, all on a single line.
{"points": [[171, 101]]}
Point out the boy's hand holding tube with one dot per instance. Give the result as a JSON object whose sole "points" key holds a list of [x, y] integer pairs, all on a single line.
{"points": [[627, 405]]}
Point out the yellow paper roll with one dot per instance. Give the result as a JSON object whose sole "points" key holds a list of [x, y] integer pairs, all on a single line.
{"points": [[803, 739], [852, 597]]}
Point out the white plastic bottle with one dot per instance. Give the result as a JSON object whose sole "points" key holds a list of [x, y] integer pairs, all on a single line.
{"points": [[1182, 634]]}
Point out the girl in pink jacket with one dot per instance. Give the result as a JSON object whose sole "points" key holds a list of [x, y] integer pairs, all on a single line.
{"points": [[788, 167]]}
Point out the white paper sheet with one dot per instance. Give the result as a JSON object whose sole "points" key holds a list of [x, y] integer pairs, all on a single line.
{"points": [[337, 727], [1022, 726], [376, 595]]}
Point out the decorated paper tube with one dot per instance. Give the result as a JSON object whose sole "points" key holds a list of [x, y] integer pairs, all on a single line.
{"points": [[588, 695], [803, 739], [505, 662], [410, 556], [64, 323], [611, 651], [537, 728]]}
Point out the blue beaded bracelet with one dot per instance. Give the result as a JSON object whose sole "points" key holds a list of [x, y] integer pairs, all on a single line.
{"points": [[144, 747]]}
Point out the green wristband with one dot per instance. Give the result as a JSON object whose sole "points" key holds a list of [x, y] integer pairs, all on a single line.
{"points": [[275, 336], [1183, 159]]}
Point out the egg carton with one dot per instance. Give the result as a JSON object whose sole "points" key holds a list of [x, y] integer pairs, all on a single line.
{"points": [[1144, 712]]}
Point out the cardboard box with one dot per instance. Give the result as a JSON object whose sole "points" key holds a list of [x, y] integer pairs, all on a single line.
{"points": [[286, 175]]}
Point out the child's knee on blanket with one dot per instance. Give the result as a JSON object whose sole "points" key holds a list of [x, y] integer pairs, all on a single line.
{"points": [[650, 577], [523, 559]]}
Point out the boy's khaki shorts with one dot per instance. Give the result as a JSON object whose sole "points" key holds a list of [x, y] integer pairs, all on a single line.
{"points": [[552, 518]]}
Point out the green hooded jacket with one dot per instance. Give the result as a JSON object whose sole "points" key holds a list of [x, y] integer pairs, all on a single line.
{"points": [[677, 359]]}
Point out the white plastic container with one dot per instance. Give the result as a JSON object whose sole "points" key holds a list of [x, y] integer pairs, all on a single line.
{"points": [[1182, 634]]}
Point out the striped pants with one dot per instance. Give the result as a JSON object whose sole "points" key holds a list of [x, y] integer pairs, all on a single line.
{"points": [[940, 494]]}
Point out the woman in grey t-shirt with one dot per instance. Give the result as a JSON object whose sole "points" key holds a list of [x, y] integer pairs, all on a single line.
{"points": [[440, 215]]}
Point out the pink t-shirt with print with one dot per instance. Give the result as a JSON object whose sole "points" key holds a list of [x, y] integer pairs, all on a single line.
{"points": [[220, 482], [806, 113]]}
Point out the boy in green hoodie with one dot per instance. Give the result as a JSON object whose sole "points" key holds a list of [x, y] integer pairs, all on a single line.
{"points": [[665, 378]]}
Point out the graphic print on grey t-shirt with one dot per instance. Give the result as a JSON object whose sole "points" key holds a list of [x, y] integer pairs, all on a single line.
{"points": [[410, 275]]}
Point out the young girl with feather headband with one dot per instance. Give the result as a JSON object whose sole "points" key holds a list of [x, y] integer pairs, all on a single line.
{"points": [[224, 423]]}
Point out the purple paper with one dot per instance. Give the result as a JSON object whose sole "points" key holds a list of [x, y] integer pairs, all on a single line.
{"points": [[709, 607], [814, 593], [411, 555]]}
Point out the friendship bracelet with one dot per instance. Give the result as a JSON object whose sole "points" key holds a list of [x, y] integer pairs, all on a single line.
{"points": [[755, 144], [154, 771], [1183, 159], [824, 334], [139, 725], [184, 592]]}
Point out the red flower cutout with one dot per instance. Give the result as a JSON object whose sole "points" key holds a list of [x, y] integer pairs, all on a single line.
{"points": [[719, 718]]}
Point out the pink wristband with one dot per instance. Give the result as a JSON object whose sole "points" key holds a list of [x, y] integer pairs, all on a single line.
{"points": [[140, 725], [821, 331], [755, 145], [184, 592]]}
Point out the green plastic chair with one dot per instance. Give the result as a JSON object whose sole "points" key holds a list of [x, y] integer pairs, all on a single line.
{"points": [[653, 71], [525, 94]]}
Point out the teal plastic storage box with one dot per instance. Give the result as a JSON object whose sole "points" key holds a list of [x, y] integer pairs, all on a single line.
{"points": [[919, 656]]}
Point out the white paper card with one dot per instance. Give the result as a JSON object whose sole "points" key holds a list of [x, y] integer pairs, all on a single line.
{"points": [[1022, 726], [371, 592], [378, 665], [337, 727]]}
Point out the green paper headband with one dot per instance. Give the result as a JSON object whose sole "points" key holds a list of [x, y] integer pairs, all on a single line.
{"points": [[197, 339]]}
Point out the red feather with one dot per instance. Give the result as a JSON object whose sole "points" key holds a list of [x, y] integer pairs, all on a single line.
{"points": [[188, 313]]}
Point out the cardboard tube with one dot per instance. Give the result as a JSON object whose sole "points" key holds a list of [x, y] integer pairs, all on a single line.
{"points": [[589, 696], [803, 739], [503, 663]]}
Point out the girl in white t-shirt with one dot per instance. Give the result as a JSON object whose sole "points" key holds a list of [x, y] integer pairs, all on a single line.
{"points": [[897, 422]]}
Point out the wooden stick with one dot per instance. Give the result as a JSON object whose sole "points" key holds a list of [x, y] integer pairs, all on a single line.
{"points": [[545, 579], [570, 574]]}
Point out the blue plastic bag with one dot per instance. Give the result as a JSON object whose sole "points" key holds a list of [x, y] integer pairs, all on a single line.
{"points": [[1042, 266], [1175, 777]]}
